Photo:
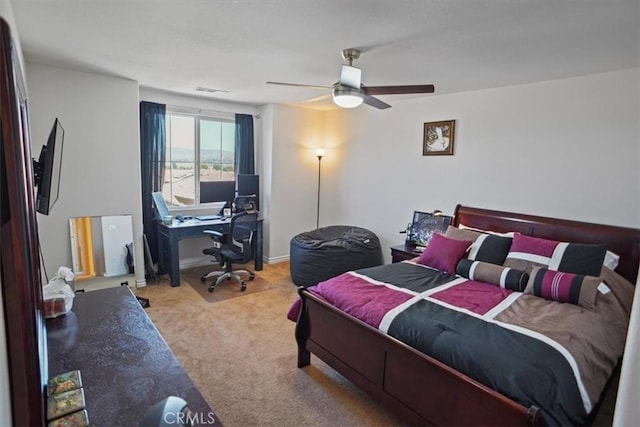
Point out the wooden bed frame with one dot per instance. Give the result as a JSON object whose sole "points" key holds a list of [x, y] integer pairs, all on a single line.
{"points": [[417, 387]]}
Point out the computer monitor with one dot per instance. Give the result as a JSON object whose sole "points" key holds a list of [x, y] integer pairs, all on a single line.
{"points": [[217, 191], [161, 206], [250, 184]]}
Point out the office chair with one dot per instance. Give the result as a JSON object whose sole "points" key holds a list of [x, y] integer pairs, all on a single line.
{"points": [[234, 248]]}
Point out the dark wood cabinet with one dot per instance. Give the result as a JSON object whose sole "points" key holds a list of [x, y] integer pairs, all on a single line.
{"points": [[126, 365], [403, 252], [20, 275]]}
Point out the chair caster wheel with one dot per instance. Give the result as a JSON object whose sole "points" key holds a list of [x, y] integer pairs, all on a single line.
{"points": [[243, 287], [203, 278], [211, 289], [252, 277]]}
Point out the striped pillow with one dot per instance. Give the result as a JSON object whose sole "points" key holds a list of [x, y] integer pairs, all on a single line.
{"points": [[486, 247], [504, 277], [564, 287], [527, 252]]}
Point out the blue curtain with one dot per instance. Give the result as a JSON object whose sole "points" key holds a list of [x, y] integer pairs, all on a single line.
{"points": [[152, 155], [245, 163]]}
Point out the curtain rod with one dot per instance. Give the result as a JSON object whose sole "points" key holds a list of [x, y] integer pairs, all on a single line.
{"points": [[203, 110]]}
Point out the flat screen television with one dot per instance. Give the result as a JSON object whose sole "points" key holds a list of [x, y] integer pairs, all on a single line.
{"points": [[47, 170]]}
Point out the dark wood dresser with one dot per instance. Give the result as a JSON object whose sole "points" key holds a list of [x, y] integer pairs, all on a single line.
{"points": [[125, 364]]}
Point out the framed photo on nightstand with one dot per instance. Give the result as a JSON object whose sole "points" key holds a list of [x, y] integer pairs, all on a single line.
{"points": [[425, 225]]}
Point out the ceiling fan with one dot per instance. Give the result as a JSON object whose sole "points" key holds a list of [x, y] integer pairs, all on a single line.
{"points": [[349, 92]]}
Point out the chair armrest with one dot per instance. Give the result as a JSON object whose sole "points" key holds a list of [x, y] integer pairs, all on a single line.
{"points": [[214, 234], [247, 250]]}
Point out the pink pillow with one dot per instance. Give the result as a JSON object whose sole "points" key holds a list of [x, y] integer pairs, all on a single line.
{"points": [[444, 253]]}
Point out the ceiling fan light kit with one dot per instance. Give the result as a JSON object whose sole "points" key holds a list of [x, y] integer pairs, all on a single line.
{"points": [[347, 97], [349, 92]]}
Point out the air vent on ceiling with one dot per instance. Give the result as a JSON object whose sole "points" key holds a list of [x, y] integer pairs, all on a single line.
{"points": [[209, 90]]}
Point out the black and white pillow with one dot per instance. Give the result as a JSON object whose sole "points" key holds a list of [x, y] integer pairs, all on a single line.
{"points": [[491, 248], [527, 252]]}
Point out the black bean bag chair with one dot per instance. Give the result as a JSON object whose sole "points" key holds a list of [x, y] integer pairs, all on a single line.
{"points": [[320, 254]]}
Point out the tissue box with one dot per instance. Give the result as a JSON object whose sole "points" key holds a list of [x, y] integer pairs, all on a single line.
{"points": [[58, 298]]}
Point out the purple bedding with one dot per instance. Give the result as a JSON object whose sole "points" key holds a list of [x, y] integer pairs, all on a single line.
{"points": [[537, 352]]}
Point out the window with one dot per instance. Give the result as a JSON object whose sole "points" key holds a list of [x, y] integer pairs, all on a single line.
{"points": [[198, 149]]}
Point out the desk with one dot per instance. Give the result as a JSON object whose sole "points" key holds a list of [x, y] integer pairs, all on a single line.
{"points": [[170, 234], [125, 364]]}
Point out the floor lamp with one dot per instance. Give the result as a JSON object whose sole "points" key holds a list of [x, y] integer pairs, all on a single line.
{"points": [[319, 153]]}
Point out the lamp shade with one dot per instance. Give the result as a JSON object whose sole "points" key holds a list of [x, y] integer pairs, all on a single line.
{"points": [[347, 97]]}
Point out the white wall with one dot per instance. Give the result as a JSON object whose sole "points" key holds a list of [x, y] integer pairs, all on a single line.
{"points": [[264, 158], [627, 410], [292, 188], [101, 156], [567, 148]]}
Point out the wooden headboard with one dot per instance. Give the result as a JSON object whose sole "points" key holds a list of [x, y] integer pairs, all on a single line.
{"points": [[621, 240]]}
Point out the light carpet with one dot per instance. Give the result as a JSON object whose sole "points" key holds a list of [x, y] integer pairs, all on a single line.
{"points": [[241, 354]]}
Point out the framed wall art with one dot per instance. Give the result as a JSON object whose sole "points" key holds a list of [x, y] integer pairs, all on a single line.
{"points": [[439, 138]]}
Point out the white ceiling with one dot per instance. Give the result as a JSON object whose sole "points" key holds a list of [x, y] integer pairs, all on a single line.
{"points": [[238, 45]]}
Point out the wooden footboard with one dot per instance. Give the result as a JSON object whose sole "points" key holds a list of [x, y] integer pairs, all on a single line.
{"points": [[417, 387]]}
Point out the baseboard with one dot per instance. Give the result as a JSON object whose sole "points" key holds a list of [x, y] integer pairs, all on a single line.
{"points": [[196, 262], [203, 262], [277, 259]]}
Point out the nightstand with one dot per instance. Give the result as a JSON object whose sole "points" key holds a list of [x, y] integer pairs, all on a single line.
{"points": [[403, 252]]}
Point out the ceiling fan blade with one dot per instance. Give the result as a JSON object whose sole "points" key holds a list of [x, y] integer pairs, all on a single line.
{"points": [[318, 98], [398, 90], [298, 85], [375, 102], [351, 76]]}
